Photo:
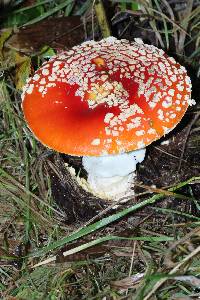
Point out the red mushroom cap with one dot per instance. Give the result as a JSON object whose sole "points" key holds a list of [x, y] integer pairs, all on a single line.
{"points": [[106, 97]]}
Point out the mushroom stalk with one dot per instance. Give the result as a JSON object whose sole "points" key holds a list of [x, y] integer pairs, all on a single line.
{"points": [[111, 176]]}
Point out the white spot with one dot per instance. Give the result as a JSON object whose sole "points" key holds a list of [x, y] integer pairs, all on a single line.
{"points": [[173, 116], [41, 89], [140, 132], [115, 132], [191, 102], [172, 60], [29, 89], [152, 104], [173, 78], [180, 87], [166, 104], [45, 72], [165, 143], [95, 142], [43, 81], [36, 77], [160, 115], [139, 41], [151, 131], [166, 129], [171, 92], [188, 80], [140, 144], [162, 66]]}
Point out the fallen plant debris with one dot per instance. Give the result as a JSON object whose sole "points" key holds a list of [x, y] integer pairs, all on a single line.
{"points": [[58, 33]]}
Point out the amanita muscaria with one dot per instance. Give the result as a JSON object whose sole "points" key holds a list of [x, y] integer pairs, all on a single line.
{"points": [[106, 101]]}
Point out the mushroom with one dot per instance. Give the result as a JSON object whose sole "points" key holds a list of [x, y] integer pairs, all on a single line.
{"points": [[106, 101]]}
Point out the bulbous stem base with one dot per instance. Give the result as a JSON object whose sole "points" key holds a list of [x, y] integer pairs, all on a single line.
{"points": [[112, 176]]}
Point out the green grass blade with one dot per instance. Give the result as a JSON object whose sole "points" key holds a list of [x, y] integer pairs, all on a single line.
{"points": [[26, 8], [106, 239], [110, 219], [49, 13], [171, 211]]}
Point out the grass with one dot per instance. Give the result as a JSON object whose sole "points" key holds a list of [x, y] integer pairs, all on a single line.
{"points": [[154, 257]]}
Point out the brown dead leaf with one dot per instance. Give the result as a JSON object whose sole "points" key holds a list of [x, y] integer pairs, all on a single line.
{"points": [[58, 33], [192, 280], [93, 252], [128, 282]]}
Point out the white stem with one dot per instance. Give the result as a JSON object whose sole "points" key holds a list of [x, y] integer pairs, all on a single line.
{"points": [[111, 176]]}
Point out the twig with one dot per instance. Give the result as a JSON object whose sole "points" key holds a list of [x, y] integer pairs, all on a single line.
{"points": [[167, 153], [93, 19], [162, 191], [102, 19], [132, 258]]}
